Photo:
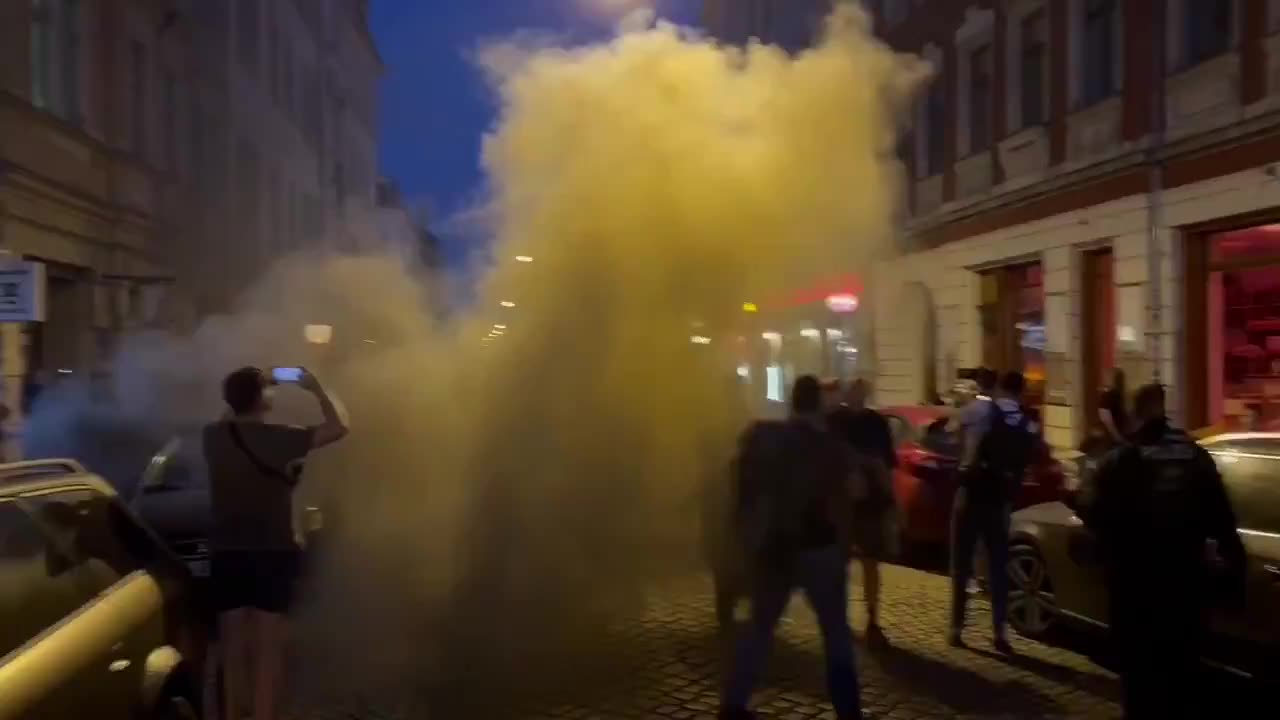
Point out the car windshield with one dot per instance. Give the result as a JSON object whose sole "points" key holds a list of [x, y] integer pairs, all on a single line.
{"points": [[180, 464]]}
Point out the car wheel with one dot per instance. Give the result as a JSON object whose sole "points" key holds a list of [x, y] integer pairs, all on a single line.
{"points": [[1032, 606]]}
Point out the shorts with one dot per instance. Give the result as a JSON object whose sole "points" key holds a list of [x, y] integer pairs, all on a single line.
{"points": [[259, 579], [875, 533]]}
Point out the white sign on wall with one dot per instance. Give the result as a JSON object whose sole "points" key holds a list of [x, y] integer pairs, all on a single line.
{"points": [[22, 290]]}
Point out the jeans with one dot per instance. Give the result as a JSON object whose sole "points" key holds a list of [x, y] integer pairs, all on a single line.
{"points": [[823, 575], [970, 521]]}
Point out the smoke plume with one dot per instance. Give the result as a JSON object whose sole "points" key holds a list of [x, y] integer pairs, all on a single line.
{"points": [[502, 501]]}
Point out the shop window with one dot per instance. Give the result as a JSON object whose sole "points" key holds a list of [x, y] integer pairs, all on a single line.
{"points": [[1243, 318]]}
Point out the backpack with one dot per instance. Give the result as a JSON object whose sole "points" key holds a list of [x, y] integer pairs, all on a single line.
{"points": [[782, 493], [1004, 452]]}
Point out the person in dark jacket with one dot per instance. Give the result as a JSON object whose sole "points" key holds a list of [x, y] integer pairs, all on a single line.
{"points": [[867, 434], [796, 530], [1167, 533]]}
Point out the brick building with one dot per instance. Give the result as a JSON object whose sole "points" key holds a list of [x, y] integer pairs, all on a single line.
{"points": [[1092, 185]]}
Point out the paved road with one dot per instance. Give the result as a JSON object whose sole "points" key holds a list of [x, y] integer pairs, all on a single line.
{"points": [[666, 665]]}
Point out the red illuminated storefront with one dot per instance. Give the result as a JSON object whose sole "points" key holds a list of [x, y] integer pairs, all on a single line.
{"points": [[1233, 328]]}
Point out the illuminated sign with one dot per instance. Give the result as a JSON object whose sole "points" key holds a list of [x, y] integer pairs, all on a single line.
{"points": [[842, 302], [750, 307]]}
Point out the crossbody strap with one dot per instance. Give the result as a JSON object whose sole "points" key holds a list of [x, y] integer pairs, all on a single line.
{"points": [[258, 462]]}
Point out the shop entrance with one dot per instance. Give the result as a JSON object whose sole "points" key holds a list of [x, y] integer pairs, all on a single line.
{"points": [[1012, 312], [1233, 329]]}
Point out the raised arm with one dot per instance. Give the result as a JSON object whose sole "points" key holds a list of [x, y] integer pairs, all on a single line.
{"points": [[335, 424]]}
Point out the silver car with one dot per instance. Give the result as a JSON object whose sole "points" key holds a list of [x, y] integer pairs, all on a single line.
{"points": [[1055, 578]]}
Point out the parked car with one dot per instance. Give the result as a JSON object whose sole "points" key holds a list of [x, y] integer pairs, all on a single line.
{"points": [[99, 617], [925, 482], [173, 497], [1055, 576]]}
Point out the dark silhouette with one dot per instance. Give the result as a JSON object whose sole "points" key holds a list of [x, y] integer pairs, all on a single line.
{"points": [[1158, 507]]}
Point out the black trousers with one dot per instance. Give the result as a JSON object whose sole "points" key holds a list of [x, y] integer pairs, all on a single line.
{"points": [[1158, 640]]}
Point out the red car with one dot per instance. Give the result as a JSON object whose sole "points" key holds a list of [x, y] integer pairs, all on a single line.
{"points": [[925, 481]]}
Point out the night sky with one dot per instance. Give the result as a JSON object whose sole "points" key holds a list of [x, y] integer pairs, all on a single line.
{"points": [[435, 106]]}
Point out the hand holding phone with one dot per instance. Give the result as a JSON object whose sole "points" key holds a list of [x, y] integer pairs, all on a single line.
{"points": [[288, 375]]}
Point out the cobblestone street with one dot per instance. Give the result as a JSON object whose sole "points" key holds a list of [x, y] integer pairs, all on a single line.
{"points": [[667, 665]]}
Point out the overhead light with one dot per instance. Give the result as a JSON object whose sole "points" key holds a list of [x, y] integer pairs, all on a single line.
{"points": [[496, 333], [812, 333], [834, 334], [318, 334], [771, 336], [842, 302], [744, 371], [507, 304], [499, 327], [65, 371], [750, 307], [700, 340], [524, 258]]}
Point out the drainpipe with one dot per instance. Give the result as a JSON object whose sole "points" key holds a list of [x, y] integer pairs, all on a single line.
{"points": [[1155, 189]]}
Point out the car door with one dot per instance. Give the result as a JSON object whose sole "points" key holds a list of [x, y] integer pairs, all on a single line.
{"points": [[125, 604], [48, 669], [1253, 484]]}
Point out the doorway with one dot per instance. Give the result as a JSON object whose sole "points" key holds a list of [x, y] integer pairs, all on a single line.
{"points": [[1099, 328]]}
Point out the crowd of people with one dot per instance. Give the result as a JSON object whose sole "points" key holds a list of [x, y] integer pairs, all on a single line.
{"points": [[814, 491]]}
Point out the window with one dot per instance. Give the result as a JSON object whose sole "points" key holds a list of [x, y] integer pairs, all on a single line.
{"points": [[1208, 25], [42, 54], [248, 173], [56, 57], [33, 594], [100, 541], [169, 91], [980, 99], [936, 128], [1035, 68], [1255, 495], [1099, 50], [273, 61], [138, 98], [248, 29]]}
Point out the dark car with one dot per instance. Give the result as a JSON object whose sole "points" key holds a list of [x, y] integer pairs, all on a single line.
{"points": [[1055, 576], [925, 482], [99, 617]]}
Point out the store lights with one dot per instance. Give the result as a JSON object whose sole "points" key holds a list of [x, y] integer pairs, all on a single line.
{"points": [[499, 327], [750, 307], [700, 340], [842, 302], [507, 304], [834, 334], [811, 333], [771, 336], [524, 259]]}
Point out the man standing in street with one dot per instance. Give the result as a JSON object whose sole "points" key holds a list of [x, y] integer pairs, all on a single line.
{"points": [[798, 528], [253, 468], [995, 457], [1167, 533], [867, 433]]}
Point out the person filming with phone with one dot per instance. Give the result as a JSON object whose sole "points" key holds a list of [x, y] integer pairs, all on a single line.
{"points": [[254, 466]]}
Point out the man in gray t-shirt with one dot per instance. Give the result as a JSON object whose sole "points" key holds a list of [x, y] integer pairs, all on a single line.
{"points": [[253, 469]]}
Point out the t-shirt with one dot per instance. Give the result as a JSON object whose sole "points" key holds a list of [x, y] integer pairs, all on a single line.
{"points": [[253, 509]]}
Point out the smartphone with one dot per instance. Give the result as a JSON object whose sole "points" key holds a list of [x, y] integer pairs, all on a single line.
{"points": [[287, 374]]}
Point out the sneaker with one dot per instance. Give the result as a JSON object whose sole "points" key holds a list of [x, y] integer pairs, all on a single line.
{"points": [[1002, 646], [954, 639], [876, 639]]}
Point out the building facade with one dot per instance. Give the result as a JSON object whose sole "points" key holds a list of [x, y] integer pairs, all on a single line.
{"points": [[157, 155], [92, 182], [288, 135], [1092, 187]]}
